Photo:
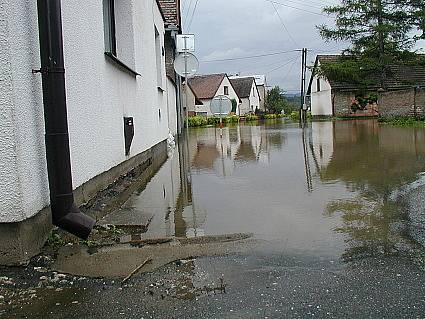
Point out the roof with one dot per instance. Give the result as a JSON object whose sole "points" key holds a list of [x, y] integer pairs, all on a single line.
{"points": [[206, 86], [171, 12], [260, 80], [197, 100], [242, 86], [401, 76]]}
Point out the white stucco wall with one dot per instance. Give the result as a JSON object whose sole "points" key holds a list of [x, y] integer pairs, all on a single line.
{"points": [[99, 95], [321, 102], [172, 106]]}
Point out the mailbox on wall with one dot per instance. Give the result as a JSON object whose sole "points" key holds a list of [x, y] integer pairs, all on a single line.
{"points": [[128, 133]]}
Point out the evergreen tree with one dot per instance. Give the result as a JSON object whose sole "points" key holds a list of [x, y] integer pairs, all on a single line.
{"points": [[381, 32]]}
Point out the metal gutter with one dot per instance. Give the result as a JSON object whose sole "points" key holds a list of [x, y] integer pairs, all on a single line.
{"points": [[65, 214]]}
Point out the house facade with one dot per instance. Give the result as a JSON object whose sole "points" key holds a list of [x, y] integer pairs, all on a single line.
{"points": [[207, 87], [173, 27], [247, 90], [261, 82], [114, 75], [403, 94]]}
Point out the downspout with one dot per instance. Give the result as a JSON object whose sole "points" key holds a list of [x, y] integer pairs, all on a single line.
{"points": [[65, 213]]}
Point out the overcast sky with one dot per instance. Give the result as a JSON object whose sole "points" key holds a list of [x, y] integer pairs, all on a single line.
{"points": [[238, 28]]}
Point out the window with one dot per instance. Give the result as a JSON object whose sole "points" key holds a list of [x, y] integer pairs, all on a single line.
{"points": [[253, 91], [119, 34], [318, 85], [226, 90], [158, 53], [109, 26]]}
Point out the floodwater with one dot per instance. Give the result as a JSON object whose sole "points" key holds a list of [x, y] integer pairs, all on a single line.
{"points": [[335, 189], [337, 213]]}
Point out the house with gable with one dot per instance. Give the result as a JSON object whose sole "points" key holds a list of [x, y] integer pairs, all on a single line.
{"points": [[247, 90], [261, 82], [207, 87], [404, 93]]}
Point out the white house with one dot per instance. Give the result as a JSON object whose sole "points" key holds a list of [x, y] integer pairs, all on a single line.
{"points": [[247, 90], [114, 70], [261, 82], [207, 87]]}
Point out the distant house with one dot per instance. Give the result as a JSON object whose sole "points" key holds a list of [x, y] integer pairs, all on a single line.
{"points": [[261, 82], [247, 90], [403, 94], [206, 87]]}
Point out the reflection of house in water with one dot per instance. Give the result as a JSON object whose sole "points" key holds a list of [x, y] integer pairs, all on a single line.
{"points": [[322, 143], [374, 162]]}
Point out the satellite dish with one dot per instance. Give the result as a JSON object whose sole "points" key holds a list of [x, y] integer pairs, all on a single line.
{"points": [[186, 64], [221, 105]]}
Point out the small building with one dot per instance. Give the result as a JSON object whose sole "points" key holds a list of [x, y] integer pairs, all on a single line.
{"points": [[207, 87], [115, 81], [403, 93], [261, 82], [247, 90]]}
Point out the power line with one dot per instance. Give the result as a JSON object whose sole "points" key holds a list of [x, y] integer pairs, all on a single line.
{"points": [[282, 66], [250, 57], [187, 10], [296, 8], [193, 14], [283, 24]]}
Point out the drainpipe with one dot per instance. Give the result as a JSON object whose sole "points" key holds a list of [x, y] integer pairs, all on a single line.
{"points": [[65, 213]]}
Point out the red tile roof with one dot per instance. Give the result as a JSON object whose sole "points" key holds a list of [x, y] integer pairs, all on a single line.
{"points": [[171, 11]]}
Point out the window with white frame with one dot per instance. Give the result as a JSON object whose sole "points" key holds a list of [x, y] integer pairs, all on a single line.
{"points": [[119, 34]]}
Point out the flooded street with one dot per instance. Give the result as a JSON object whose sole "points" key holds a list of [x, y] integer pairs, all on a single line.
{"points": [[334, 189], [330, 221]]}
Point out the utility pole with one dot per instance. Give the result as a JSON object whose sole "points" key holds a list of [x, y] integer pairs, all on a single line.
{"points": [[303, 111]]}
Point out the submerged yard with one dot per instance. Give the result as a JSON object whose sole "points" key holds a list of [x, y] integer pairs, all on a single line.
{"points": [[330, 220]]}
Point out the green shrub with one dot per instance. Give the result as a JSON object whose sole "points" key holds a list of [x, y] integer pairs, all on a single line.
{"points": [[295, 116], [195, 121], [403, 121], [250, 118], [270, 116]]}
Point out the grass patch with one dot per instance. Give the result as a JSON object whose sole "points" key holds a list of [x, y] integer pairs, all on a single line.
{"points": [[403, 121]]}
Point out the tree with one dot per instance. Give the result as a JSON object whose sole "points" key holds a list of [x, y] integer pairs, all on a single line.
{"points": [[275, 102], [381, 32]]}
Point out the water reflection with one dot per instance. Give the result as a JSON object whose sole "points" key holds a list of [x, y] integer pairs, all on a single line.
{"points": [[374, 162], [329, 189]]}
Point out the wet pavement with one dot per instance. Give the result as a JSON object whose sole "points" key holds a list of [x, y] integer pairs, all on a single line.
{"points": [[337, 216]]}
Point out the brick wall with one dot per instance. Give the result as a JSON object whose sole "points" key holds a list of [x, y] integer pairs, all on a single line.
{"points": [[402, 103], [342, 103]]}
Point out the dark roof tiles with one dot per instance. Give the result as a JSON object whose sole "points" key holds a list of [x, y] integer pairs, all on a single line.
{"points": [[242, 86]]}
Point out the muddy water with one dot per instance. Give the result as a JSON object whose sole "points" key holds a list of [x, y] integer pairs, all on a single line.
{"points": [[333, 189]]}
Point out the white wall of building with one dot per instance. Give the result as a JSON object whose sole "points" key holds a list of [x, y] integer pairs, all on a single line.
{"points": [[321, 101], [249, 105], [172, 106], [99, 95]]}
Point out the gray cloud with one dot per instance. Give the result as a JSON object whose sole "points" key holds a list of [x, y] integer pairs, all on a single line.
{"points": [[227, 29]]}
